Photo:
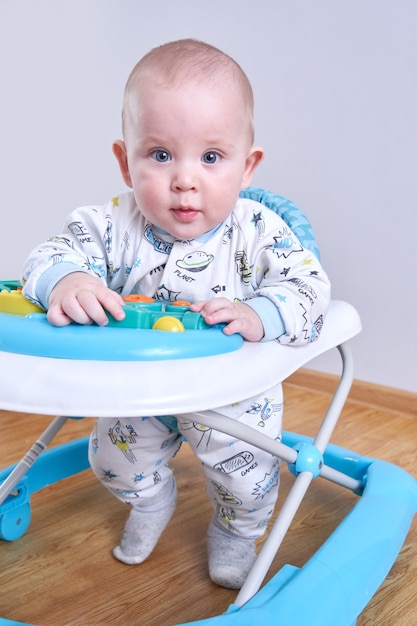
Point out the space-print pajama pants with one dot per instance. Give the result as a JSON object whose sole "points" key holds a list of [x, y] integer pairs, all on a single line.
{"points": [[131, 458]]}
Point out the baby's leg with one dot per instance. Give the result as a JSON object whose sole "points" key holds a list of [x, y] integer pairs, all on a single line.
{"points": [[130, 457], [242, 485]]}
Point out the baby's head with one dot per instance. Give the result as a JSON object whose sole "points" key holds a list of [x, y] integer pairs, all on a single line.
{"points": [[188, 62], [187, 136]]}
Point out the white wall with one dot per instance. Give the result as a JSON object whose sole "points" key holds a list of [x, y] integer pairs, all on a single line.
{"points": [[335, 87]]}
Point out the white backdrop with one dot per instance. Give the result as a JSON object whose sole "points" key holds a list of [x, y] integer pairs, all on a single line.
{"points": [[336, 100]]}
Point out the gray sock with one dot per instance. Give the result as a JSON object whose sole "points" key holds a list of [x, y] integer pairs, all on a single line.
{"points": [[145, 525], [230, 557]]}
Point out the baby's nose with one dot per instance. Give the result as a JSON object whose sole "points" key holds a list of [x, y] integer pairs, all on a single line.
{"points": [[184, 179]]}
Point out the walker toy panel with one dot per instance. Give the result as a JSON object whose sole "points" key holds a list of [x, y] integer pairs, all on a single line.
{"points": [[151, 331], [141, 336], [34, 336]]}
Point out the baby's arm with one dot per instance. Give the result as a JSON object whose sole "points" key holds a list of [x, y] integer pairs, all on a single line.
{"points": [[83, 298], [239, 317]]}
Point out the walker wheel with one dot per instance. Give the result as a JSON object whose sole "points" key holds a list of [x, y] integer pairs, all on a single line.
{"points": [[15, 522]]}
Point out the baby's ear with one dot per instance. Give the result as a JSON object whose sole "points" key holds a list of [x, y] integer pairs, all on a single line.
{"points": [[120, 152], [253, 159]]}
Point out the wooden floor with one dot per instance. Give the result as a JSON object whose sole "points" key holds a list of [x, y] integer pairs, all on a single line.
{"points": [[61, 572]]}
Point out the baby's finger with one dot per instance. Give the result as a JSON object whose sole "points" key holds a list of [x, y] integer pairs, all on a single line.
{"points": [[113, 303], [57, 317], [87, 309]]}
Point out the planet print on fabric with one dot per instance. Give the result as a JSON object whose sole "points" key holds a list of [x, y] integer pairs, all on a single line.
{"points": [[195, 261]]}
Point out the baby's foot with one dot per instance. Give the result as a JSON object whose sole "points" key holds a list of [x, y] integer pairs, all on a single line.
{"points": [[230, 558], [145, 525]]}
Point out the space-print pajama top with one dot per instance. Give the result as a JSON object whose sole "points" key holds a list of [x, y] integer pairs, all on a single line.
{"points": [[253, 256]]}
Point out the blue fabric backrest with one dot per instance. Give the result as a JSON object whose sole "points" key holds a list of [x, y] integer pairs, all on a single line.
{"points": [[290, 213]]}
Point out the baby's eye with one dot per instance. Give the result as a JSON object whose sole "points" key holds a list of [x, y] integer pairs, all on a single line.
{"points": [[210, 157], [160, 155]]}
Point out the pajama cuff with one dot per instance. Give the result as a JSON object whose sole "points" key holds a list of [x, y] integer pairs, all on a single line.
{"points": [[270, 317], [50, 277]]}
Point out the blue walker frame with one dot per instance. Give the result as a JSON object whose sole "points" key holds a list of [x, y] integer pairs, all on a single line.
{"points": [[336, 584]]}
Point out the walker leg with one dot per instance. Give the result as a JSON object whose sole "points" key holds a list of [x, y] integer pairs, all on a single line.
{"points": [[30, 457], [274, 539], [303, 480], [338, 400]]}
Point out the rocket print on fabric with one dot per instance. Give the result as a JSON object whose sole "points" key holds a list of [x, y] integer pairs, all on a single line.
{"points": [[121, 436]]}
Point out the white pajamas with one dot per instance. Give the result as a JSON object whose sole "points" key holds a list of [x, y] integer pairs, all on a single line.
{"points": [[131, 457], [253, 257]]}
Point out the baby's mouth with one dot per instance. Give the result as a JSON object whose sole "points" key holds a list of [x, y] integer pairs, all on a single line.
{"points": [[185, 214]]}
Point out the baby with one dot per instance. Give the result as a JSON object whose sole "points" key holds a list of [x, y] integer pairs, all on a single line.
{"points": [[183, 233]]}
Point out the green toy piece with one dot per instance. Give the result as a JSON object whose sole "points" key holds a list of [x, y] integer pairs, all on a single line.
{"points": [[144, 315]]}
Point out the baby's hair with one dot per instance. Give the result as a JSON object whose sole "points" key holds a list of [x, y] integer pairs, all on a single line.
{"points": [[189, 60]]}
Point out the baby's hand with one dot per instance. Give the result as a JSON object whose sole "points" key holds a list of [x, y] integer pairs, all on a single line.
{"points": [[239, 317], [81, 298]]}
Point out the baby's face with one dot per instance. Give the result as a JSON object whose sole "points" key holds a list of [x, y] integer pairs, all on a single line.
{"points": [[188, 154]]}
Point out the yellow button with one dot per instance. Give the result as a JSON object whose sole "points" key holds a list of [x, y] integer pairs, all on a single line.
{"points": [[169, 323]]}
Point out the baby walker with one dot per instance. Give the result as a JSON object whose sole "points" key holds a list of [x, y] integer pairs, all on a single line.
{"points": [[336, 584]]}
